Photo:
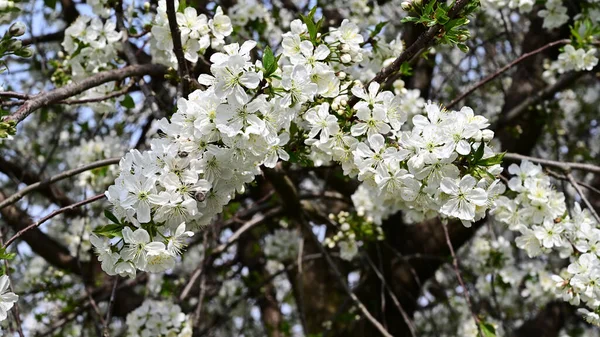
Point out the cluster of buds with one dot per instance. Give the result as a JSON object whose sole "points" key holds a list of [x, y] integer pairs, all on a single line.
{"points": [[11, 46]]}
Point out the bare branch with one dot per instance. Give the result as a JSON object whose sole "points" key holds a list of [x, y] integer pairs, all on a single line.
{"points": [[565, 166], [182, 68], [504, 69], [407, 319], [111, 302], [583, 197], [52, 215], [20, 194], [459, 277], [44, 98]]}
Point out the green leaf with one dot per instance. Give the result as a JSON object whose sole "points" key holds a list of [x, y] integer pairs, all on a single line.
{"points": [[128, 102], [378, 28], [406, 69], [479, 153], [108, 214], [6, 256], [269, 62], [50, 3], [110, 231], [497, 159], [310, 24], [487, 329], [441, 17], [182, 6]]}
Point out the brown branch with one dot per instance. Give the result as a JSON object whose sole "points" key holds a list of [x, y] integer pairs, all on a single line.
{"points": [[182, 68], [407, 320], [51, 37], [50, 216], [582, 195], [504, 69], [42, 184], [459, 277], [424, 41], [44, 98], [565, 166], [538, 96], [40, 242]]}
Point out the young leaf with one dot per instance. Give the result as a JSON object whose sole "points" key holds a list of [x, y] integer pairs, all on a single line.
{"points": [[109, 231], [497, 159], [479, 153], [487, 329], [269, 62], [108, 214], [128, 102]]}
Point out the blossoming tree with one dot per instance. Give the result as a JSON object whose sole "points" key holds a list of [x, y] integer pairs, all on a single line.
{"points": [[299, 168]]}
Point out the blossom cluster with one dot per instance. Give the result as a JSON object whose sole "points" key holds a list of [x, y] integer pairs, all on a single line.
{"points": [[158, 318], [422, 170], [352, 232], [539, 214], [91, 45], [153, 251], [282, 245], [554, 14], [576, 59], [220, 136], [197, 33]]}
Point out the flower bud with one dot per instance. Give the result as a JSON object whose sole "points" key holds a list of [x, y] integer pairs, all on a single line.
{"points": [[25, 52], [146, 6], [17, 29], [406, 6], [346, 58], [15, 45], [341, 75]]}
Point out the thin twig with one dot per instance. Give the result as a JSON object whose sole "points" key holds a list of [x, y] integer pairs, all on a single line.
{"points": [[580, 183], [565, 166], [583, 197], [504, 69], [341, 280], [111, 301], [198, 311], [459, 277], [66, 174], [51, 215], [405, 316], [221, 248], [182, 68]]}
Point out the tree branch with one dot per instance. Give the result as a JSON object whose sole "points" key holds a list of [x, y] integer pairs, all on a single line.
{"points": [[44, 98], [424, 41], [42, 184], [565, 166], [504, 69], [50, 216], [182, 68]]}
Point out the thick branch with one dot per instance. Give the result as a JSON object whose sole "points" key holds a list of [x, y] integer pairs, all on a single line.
{"points": [[67, 91]]}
